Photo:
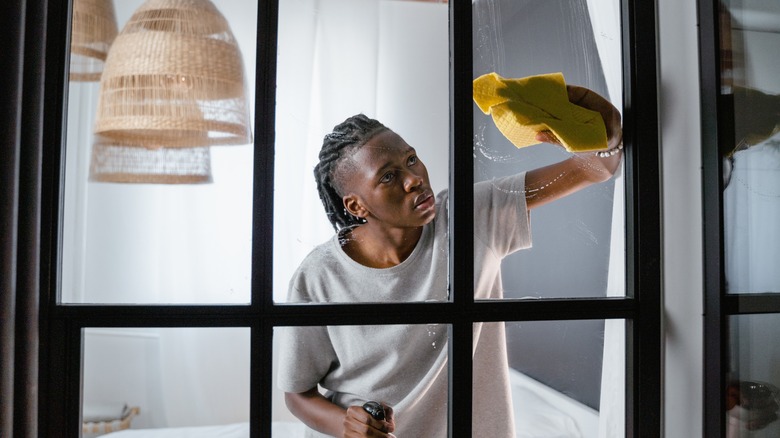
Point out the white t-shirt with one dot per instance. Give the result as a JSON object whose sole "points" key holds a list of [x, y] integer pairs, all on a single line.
{"points": [[405, 366]]}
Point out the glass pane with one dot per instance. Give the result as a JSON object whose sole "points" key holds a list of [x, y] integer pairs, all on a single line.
{"points": [[158, 168], [752, 395], [190, 382], [403, 367], [750, 33], [581, 235], [550, 378], [388, 60]]}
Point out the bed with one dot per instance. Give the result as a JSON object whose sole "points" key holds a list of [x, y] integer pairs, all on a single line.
{"points": [[236, 430], [540, 412]]}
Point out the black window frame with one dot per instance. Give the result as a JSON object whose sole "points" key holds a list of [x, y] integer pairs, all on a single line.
{"points": [[62, 324], [717, 128]]}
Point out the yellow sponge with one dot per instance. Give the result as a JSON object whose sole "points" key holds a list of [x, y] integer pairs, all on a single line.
{"points": [[523, 107]]}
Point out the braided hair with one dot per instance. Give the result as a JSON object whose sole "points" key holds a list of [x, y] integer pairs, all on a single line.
{"points": [[330, 171]]}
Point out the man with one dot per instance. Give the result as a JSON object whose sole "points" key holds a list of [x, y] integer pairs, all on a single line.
{"points": [[391, 245]]}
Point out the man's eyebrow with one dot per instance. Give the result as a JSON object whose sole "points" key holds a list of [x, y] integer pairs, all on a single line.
{"points": [[381, 169], [406, 151]]}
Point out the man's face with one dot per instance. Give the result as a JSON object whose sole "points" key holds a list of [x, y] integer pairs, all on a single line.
{"points": [[388, 185]]}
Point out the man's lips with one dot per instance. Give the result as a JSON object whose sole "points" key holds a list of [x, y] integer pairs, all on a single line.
{"points": [[424, 201]]}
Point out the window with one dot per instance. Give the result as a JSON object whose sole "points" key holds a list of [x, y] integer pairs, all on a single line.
{"points": [[238, 309], [740, 115]]}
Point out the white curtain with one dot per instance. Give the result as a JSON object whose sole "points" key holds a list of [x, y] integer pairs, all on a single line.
{"points": [[337, 59]]}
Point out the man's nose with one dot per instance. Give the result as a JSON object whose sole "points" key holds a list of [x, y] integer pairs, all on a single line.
{"points": [[412, 181]]}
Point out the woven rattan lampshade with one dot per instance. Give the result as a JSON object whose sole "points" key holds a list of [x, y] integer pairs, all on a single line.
{"points": [[93, 30], [116, 163], [174, 78]]}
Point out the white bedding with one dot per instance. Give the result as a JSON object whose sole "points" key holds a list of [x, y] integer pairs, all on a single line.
{"points": [[236, 430], [540, 412]]}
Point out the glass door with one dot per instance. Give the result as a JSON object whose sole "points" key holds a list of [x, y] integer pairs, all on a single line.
{"points": [[741, 107]]}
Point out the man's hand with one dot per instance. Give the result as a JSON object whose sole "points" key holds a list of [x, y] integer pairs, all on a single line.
{"points": [[549, 183], [591, 100], [360, 424]]}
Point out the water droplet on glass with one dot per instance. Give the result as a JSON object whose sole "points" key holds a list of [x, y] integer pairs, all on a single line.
{"points": [[432, 333]]}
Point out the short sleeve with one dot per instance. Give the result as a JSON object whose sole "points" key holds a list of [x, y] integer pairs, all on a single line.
{"points": [[501, 219], [305, 357]]}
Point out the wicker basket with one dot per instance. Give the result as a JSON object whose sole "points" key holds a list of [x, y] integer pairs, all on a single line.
{"points": [[97, 428]]}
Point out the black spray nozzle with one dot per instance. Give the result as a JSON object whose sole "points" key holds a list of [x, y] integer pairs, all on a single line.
{"points": [[375, 410]]}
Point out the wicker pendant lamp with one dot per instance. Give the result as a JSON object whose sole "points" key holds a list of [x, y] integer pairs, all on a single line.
{"points": [[114, 161], [93, 29], [174, 78], [124, 164]]}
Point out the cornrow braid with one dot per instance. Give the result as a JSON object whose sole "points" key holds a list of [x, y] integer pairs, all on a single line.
{"points": [[346, 136]]}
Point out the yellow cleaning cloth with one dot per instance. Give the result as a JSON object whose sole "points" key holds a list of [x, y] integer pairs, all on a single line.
{"points": [[523, 107]]}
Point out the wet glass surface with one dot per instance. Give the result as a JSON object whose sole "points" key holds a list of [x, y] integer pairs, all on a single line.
{"points": [[577, 245], [750, 34], [157, 224]]}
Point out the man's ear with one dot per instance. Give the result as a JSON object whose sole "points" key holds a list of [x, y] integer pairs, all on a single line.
{"points": [[354, 206]]}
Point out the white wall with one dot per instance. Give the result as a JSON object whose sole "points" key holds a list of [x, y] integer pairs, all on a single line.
{"points": [[681, 151], [176, 376]]}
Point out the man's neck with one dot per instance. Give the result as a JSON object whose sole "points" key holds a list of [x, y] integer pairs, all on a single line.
{"points": [[381, 248]]}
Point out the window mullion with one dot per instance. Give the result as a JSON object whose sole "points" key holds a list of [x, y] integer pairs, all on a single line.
{"points": [[264, 141], [643, 216], [461, 219]]}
